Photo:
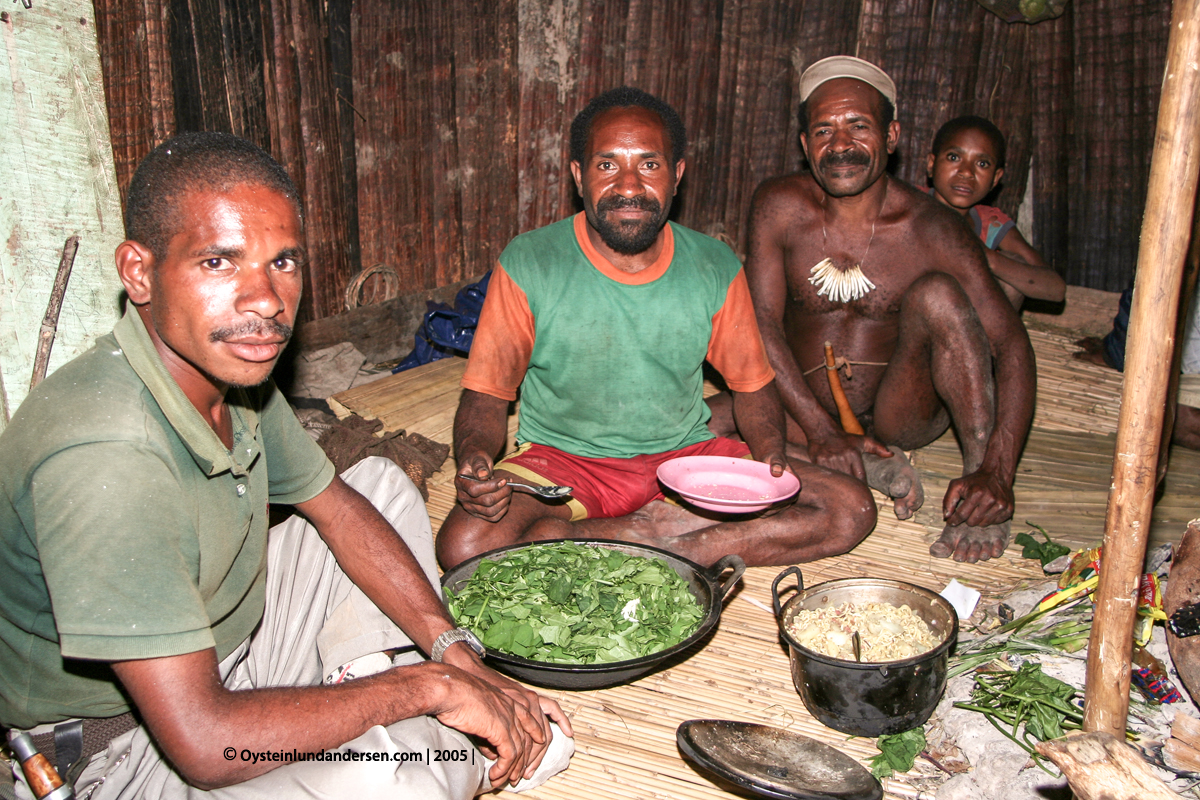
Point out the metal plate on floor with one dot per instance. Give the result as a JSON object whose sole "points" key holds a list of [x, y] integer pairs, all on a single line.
{"points": [[775, 763]]}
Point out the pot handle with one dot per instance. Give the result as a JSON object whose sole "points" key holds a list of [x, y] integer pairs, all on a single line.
{"points": [[775, 586], [731, 561]]}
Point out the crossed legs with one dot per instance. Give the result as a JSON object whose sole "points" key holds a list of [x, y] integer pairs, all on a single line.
{"points": [[832, 514]]}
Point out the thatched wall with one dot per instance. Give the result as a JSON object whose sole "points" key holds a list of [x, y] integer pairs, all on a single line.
{"points": [[425, 135]]}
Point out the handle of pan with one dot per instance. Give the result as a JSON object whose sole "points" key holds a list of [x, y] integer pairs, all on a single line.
{"points": [[775, 586], [731, 561]]}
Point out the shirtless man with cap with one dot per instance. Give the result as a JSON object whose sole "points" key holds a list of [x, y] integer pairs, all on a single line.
{"points": [[848, 254]]}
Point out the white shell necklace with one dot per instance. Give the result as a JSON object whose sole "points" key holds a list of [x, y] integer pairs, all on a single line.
{"points": [[843, 285]]}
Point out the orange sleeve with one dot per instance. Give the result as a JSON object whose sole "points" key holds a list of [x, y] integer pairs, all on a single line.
{"points": [[736, 348], [503, 340]]}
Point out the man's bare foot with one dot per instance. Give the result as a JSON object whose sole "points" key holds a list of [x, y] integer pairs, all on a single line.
{"points": [[898, 479], [972, 544], [1091, 350]]}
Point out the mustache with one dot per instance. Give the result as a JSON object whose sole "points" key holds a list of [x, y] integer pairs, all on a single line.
{"points": [[851, 158], [617, 202], [261, 329]]}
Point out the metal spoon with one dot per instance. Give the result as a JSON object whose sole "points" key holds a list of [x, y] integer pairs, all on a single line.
{"points": [[548, 492]]}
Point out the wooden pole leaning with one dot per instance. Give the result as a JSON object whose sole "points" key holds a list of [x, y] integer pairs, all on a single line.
{"points": [[1166, 228]]}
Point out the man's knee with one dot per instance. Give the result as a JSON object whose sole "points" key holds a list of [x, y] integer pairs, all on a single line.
{"points": [[463, 536], [849, 509], [937, 295], [855, 513]]}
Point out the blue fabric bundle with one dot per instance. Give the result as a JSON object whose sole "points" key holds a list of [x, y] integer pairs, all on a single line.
{"points": [[447, 331]]}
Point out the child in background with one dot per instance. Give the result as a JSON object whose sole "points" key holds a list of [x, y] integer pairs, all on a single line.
{"points": [[967, 162]]}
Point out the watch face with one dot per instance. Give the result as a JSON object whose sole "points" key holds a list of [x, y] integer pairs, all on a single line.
{"points": [[474, 642]]}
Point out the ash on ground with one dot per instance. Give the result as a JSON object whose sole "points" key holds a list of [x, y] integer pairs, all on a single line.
{"points": [[975, 761]]}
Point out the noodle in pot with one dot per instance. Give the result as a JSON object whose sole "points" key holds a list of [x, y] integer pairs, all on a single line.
{"points": [[887, 632]]}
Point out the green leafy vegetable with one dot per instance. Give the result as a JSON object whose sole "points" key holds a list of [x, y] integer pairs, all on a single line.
{"points": [[1045, 551], [1026, 697], [568, 603], [897, 752]]}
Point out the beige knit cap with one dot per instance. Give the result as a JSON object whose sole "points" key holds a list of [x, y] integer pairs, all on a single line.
{"points": [[846, 67]]}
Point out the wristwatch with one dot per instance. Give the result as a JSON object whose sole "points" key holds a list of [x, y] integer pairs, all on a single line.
{"points": [[453, 636]]}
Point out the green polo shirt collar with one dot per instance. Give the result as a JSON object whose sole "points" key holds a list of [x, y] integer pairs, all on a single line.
{"points": [[198, 437]]}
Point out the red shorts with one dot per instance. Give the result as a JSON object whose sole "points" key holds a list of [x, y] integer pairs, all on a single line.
{"points": [[606, 487]]}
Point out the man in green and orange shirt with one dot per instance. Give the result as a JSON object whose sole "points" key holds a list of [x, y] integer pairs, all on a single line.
{"points": [[603, 321]]}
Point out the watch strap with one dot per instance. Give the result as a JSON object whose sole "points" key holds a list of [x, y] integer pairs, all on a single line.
{"points": [[453, 636]]}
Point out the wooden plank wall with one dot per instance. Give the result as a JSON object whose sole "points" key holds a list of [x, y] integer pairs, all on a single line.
{"points": [[56, 180], [425, 135]]}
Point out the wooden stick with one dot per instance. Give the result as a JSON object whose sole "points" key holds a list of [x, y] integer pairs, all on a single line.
{"points": [[1098, 765], [849, 421], [1165, 230], [41, 361]]}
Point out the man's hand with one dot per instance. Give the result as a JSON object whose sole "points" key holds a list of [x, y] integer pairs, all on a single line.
{"points": [[978, 499], [480, 431], [481, 493], [528, 728], [842, 452], [778, 462]]}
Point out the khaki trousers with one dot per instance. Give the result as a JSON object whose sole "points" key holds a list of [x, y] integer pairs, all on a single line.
{"points": [[315, 621]]}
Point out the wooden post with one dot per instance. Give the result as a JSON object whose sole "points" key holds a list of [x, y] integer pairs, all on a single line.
{"points": [[1166, 227]]}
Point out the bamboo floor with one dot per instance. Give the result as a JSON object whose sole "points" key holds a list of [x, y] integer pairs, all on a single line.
{"points": [[625, 736]]}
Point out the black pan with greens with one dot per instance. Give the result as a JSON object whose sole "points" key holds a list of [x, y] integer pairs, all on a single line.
{"points": [[568, 603]]}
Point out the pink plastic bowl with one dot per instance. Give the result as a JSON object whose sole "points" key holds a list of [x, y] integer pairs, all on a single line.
{"points": [[726, 484]]}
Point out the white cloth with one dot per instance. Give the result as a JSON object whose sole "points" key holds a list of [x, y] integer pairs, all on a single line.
{"points": [[315, 620]]}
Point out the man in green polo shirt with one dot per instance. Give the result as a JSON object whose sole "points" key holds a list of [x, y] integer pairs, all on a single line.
{"points": [[148, 628]]}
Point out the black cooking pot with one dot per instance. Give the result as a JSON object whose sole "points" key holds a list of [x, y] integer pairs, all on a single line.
{"points": [[868, 699], [706, 587]]}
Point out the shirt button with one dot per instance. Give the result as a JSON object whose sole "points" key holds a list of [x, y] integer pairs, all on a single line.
{"points": [[241, 489]]}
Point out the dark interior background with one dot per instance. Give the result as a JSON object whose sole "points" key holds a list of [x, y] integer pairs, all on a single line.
{"points": [[425, 135]]}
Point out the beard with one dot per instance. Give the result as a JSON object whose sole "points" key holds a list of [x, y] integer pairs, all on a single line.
{"points": [[628, 237], [852, 158]]}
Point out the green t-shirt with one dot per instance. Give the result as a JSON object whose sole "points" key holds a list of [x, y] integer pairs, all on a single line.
{"points": [[128, 530], [617, 368]]}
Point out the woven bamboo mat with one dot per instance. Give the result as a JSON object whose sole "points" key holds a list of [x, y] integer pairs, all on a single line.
{"points": [[625, 736]]}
